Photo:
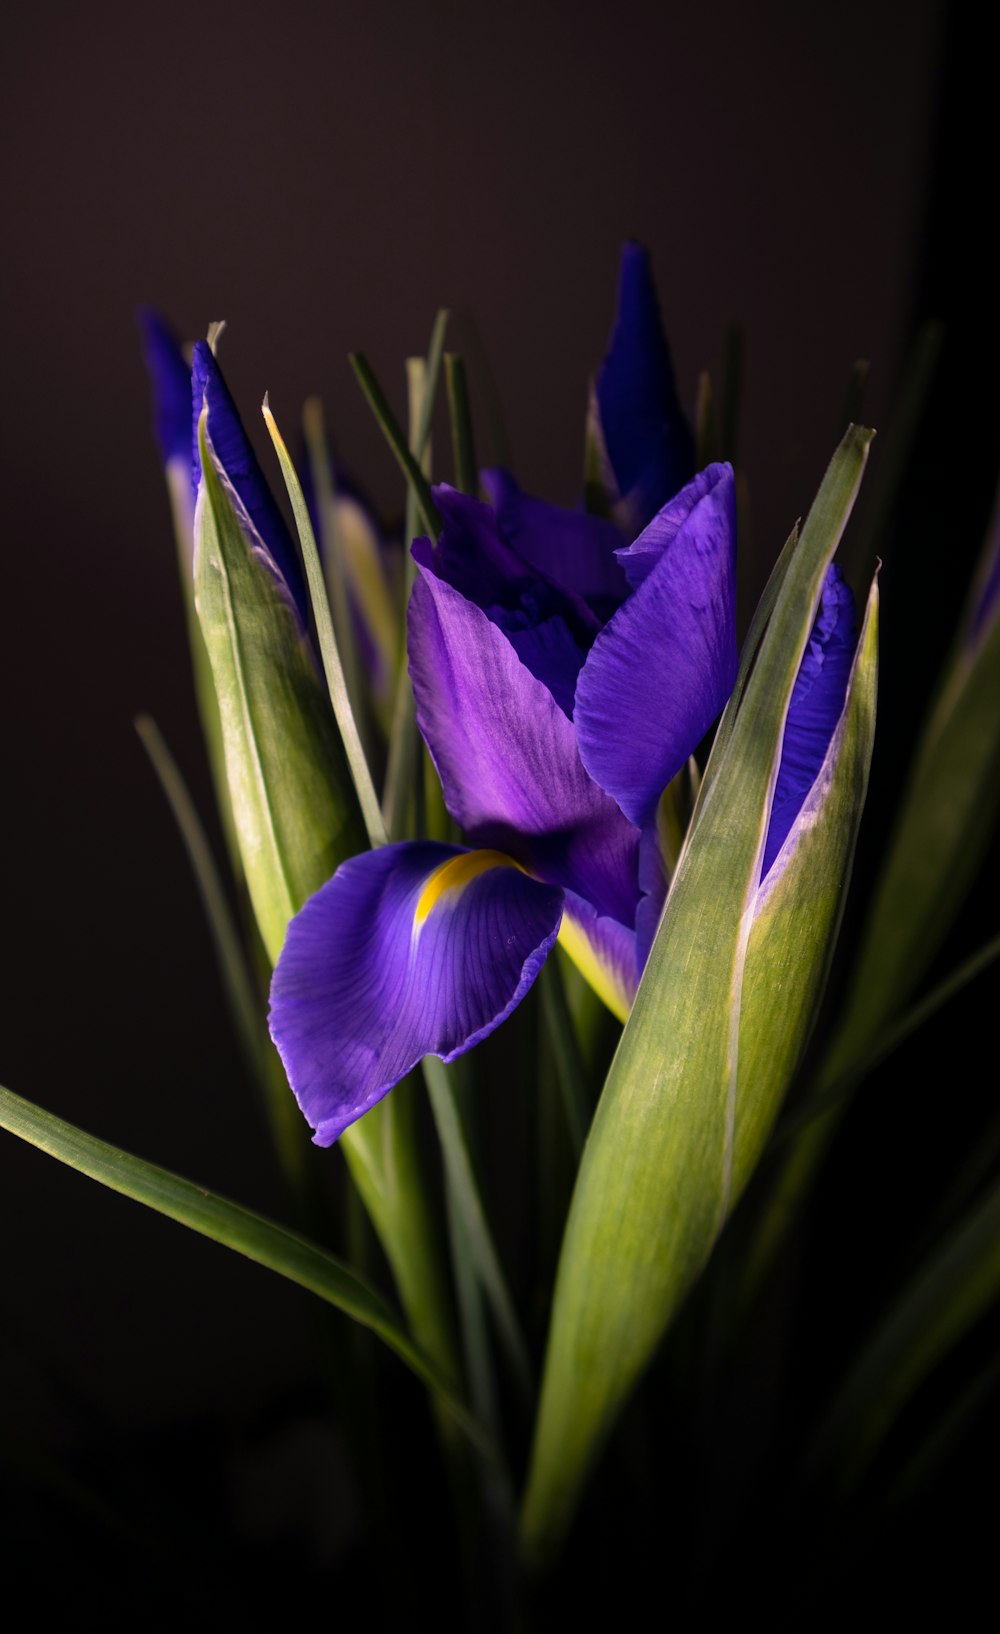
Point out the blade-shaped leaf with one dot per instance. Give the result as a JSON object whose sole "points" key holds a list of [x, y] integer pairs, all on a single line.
{"points": [[680, 1121], [298, 818], [295, 811], [946, 821], [235, 1227], [956, 1286]]}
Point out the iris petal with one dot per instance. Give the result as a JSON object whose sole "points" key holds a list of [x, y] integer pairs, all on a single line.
{"points": [[648, 440], [604, 951], [507, 756], [412, 950], [239, 464], [171, 380], [552, 628], [571, 547], [662, 668], [814, 709]]}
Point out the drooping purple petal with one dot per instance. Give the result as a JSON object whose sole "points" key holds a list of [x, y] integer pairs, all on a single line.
{"points": [[239, 463], [647, 437], [571, 547], [662, 668], [814, 709], [551, 628], [507, 755], [410, 950], [170, 377]]}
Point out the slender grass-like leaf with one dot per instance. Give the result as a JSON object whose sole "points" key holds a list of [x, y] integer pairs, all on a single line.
{"points": [[950, 1293], [718, 1023], [335, 561], [946, 821], [238, 984], [400, 777], [298, 818], [468, 1204], [565, 1052], [250, 1234], [462, 440], [295, 811], [332, 667], [379, 405]]}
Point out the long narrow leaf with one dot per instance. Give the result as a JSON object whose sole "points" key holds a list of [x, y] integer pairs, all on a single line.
{"points": [[259, 1239], [468, 1204], [238, 985], [947, 1296], [379, 404], [333, 669], [711, 1039]]}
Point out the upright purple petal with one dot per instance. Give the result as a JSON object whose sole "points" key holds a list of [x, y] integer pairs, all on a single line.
{"points": [[551, 628], [572, 548], [411, 950], [660, 671], [507, 755], [646, 435], [170, 376], [239, 463], [814, 709]]}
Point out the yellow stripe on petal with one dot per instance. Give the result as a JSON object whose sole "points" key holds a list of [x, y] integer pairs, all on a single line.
{"points": [[605, 980], [453, 876]]}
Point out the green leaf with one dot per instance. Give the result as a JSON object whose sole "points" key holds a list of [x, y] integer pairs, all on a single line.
{"points": [[379, 405], [466, 1202], [259, 1239], [946, 821], [329, 652], [460, 413], [245, 1008], [711, 1040], [296, 814], [297, 819], [956, 1286]]}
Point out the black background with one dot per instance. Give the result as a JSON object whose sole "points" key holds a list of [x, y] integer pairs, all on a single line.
{"points": [[324, 177]]}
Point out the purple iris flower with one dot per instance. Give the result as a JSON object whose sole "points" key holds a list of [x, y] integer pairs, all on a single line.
{"points": [[562, 677], [554, 731]]}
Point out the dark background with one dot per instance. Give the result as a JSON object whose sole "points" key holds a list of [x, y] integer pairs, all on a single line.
{"points": [[324, 177]]}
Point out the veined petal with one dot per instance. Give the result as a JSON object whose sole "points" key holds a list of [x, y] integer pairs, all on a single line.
{"points": [[550, 627], [170, 377], [638, 559], [662, 668], [410, 950], [573, 548], [646, 435], [814, 709], [507, 755], [239, 465]]}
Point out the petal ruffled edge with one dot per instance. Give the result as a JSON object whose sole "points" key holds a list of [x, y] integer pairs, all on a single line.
{"points": [[662, 668], [411, 950]]}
